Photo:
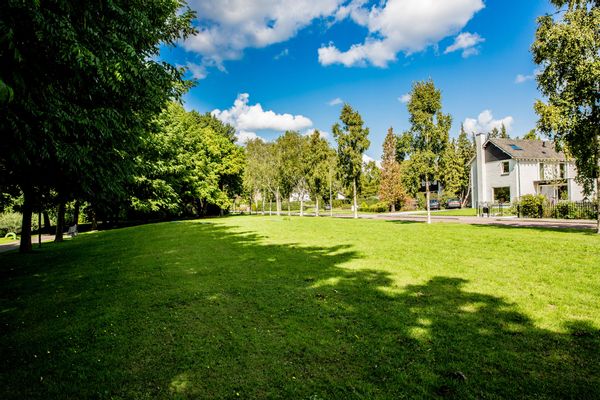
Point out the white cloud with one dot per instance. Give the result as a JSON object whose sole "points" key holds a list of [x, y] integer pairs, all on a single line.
{"points": [[405, 98], [335, 101], [198, 71], [226, 28], [244, 136], [366, 159], [284, 53], [249, 118], [485, 122], [524, 78], [466, 42], [397, 26]]}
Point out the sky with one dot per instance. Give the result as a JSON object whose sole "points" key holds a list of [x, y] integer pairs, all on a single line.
{"points": [[267, 66]]}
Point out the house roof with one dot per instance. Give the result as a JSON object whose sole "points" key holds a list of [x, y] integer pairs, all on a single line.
{"points": [[527, 149]]}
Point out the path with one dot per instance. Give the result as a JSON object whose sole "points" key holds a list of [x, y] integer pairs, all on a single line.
{"points": [[4, 247]]}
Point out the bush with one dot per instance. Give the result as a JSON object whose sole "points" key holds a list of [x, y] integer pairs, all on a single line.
{"points": [[374, 208], [532, 206], [11, 222]]}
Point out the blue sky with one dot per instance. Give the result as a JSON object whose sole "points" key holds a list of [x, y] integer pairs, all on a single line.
{"points": [[297, 57]]}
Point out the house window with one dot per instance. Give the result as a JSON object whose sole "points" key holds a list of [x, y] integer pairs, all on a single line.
{"points": [[562, 170], [505, 167], [502, 194], [542, 175]]}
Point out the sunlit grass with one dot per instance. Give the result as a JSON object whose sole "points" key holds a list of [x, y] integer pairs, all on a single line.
{"points": [[303, 308]]}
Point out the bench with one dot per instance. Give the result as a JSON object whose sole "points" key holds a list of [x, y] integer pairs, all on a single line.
{"points": [[72, 231]]}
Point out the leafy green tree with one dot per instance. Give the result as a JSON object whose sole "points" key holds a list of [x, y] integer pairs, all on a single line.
{"points": [[567, 49], [503, 132], [187, 163], [452, 170], [370, 180], [531, 135], [429, 132], [290, 149], [391, 189], [79, 84], [319, 156], [494, 133], [352, 140], [465, 152]]}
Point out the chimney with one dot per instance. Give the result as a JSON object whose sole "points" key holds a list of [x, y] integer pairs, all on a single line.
{"points": [[543, 143], [481, 196]]}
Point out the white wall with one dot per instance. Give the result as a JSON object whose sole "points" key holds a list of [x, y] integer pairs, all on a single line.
{"points": [[495, 179]]}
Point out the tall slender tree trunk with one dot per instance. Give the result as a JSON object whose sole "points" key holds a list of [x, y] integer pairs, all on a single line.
{"points": [[393, 206], [289, 208], [598, 203], [302, 204], [76, 209], [262, 195], [278, 203], [47, 224], [25, 245], [270, 206], [94, 220], [427, 198], [60, 221], [316, 206], [355, 198], [330, 200]]}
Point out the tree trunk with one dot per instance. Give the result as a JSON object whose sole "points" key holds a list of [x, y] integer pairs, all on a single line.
{"points": [[94, 220], [466, 197], [47, 224], [316, 206], [355, 196], [76, 213], [289, 208], [302, 205], [427, 198], [393, 207], [278, 201], [330, 201], [270, 206], [25, 245], [263, 203], [60, 222], [598, 203]]}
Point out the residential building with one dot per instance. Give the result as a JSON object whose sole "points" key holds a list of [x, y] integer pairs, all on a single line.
{"points": [[503, 170]]}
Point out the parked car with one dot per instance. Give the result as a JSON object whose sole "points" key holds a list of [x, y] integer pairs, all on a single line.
{"points": [[434, 205], [453, 203]]}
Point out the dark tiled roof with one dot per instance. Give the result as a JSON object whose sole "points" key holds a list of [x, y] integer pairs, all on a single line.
{"points": [[528, 149]]}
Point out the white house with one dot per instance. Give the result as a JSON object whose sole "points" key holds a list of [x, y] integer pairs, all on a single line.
{"points": [[506, 169]]}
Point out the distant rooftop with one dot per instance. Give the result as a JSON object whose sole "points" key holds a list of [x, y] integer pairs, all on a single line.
{"points": [[528, 149]]}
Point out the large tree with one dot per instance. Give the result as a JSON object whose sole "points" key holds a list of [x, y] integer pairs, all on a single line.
{"points": [[567, 49], [352, 140], [429, 132], [290, 149], [391, 189], [318, 160], [79, 84]]}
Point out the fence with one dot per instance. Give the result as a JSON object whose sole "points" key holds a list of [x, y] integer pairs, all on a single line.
{"points": [[545, 209]]}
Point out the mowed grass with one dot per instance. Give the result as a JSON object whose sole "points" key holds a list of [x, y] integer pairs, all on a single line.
{"points": [[303, 308]]}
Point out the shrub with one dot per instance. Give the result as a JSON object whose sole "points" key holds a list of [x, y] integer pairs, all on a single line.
{"points": [[11, 222], [532, 206]]}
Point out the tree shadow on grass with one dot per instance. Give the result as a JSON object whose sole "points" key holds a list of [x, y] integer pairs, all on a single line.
{"points": [[204, 311]]}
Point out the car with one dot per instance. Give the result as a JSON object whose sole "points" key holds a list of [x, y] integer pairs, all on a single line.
{"points": [[453, 203], [434, 204]]}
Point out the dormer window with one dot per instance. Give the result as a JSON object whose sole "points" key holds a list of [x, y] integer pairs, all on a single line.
{"points": [[505, 167]]}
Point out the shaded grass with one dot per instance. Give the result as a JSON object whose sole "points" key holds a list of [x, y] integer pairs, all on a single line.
{"points": [[267, 307]]}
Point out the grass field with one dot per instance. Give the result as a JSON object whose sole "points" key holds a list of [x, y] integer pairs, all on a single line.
{"points": [[6, 240], [303, 308]]}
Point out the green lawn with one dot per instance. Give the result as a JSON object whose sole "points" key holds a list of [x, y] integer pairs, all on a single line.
{"points": [[5, 240], [303, 308]]}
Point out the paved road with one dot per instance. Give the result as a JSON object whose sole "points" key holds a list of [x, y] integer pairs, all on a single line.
{"points": [[418, 216], [15, 245]]}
